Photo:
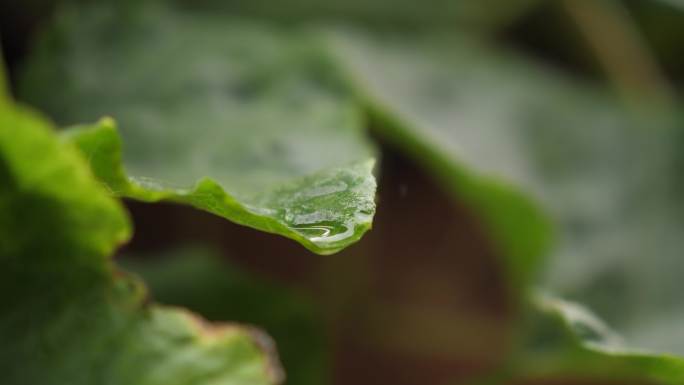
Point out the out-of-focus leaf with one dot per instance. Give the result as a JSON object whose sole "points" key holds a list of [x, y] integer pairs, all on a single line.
{"points": [[236, 118], [68, 316], [419, 103], [196, 279], [485, 14], [606, 176], [661, 27], [674, 3], [564, 340]]}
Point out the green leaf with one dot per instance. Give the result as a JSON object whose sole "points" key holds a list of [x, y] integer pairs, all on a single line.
{"points": [[564, 340], [197, 279], [68, 316], [246, 121], [674, 3], [421, 96], [482, 14], [605, 176]]}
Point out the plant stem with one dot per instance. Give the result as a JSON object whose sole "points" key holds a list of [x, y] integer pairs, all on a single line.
{"points": [[620, 49]]}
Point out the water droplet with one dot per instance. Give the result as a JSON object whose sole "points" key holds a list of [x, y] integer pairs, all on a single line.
{"points": [[324, 232]]}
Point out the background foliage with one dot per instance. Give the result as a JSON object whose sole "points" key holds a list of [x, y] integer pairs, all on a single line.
{"points": [[528, 185]]}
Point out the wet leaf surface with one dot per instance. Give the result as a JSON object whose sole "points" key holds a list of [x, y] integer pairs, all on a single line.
{"points": [[241, 119]]}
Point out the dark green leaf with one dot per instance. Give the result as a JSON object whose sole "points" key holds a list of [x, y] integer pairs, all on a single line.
{"points": [[484, 14], [675, 3]]}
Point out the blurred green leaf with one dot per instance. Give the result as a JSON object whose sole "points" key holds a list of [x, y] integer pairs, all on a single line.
{"points": [[564, 340], [197, 279], [68, 316], [484, 14], [674, 3], [422, 96], [605, 176], [237, 118]]}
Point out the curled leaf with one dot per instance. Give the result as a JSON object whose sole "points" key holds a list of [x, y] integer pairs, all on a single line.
{"points": [[237, 118]]}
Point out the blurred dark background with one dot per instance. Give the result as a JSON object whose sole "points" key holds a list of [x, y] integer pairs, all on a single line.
{"points": [[415, 302]]}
